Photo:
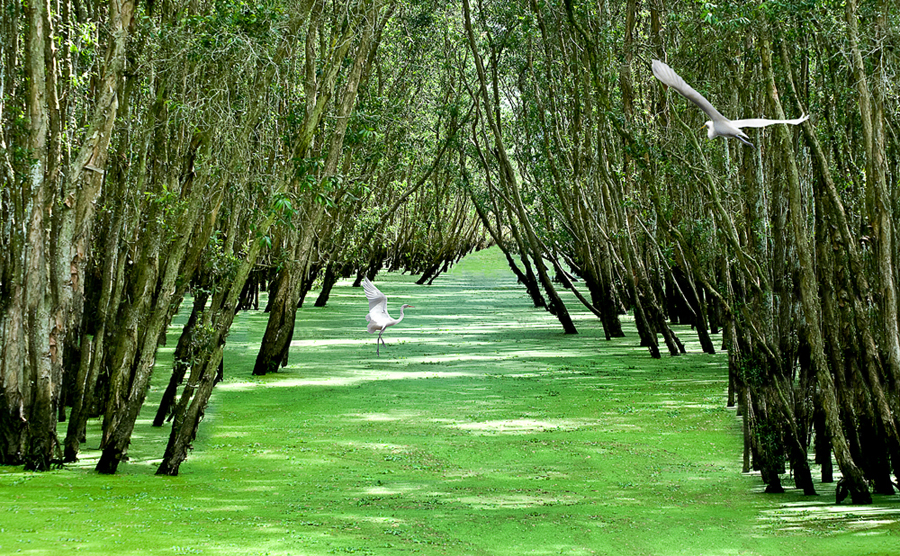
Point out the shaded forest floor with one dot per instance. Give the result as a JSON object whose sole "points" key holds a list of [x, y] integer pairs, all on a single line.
{"points": [[480, 430]]}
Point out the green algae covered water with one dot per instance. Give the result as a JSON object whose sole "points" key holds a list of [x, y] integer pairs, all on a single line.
{"points": [[481, 429]]}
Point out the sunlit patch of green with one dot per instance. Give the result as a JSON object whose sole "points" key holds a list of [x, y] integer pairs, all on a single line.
{"points": [[825, 518], [481, 429]]}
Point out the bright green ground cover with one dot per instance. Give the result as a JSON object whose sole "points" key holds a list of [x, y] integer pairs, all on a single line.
{"points": [[481, 430]]}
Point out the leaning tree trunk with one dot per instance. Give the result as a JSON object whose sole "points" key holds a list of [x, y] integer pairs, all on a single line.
{"points": [[329, 279], [878, 200], [283, 308], [509, 181], [181, 360], [160, 294], [220, 316], [809, 300], [500, 242], [849, 273], [94, 348], [192, 405], [196, 394]]}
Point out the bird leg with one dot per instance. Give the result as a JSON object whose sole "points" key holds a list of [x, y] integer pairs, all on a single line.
{"points": [[378, 343], [744, 141]]}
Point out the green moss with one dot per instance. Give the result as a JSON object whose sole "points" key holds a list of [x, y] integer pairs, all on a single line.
{"points": [[481, 430]]}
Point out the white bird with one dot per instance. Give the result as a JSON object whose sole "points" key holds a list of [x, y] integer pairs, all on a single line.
{"points": [[718, 125], [378, 317]]}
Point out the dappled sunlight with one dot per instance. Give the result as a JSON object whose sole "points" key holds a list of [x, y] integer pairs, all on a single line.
{"points": [[668, 405], [347, 379], [517, 501], [468, 326], [329, 342], [450, 358], [480, 429], [375, 446], [498, 355], [407, 494], [827, 518], [523, 426], [238, 386], [393, 490], [395, 416], [382, 520], [143, 457]]}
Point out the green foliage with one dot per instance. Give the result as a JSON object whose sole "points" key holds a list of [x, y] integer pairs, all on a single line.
{"points": [[83, 45], [229, 18], [166, 207], [753, 369], [220, 265], [728, 14], [306, 171]]}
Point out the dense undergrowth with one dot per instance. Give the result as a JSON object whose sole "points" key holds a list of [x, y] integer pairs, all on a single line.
{"points": [[480, 430]]}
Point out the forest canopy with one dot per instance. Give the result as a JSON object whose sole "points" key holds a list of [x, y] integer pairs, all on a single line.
{"points": [[166, 156]]}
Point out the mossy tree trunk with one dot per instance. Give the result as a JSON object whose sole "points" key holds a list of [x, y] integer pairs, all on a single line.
{"points": [[283, 308], [51, 222]]}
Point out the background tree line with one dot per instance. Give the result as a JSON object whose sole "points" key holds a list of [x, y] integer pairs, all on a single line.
{"points": [[157, 151]]}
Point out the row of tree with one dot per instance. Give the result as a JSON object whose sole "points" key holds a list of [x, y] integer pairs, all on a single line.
{"points": [[157, 151], [790, 246], [161, 150]]}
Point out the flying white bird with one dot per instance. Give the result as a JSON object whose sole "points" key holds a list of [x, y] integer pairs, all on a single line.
{"points": [[378, 317], [718, 125]]}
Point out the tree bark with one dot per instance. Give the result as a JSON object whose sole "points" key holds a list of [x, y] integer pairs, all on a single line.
{"points": [[809, 301], [28, 318], [871, 107], [283, 308], [181, 360], [509, 181]]}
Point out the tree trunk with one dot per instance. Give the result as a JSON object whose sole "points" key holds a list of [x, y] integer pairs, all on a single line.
{"points": [[31, 311], [853, 475], [54, 213], [156, 301], [283, 308], [878, 199], [328, 281], [192, 406], [181, 360], [195, 396], [508, 179]]}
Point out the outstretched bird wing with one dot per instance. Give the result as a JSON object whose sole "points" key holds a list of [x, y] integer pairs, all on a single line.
{"points": [[763, 122], [668, 76], [377, 302]]}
